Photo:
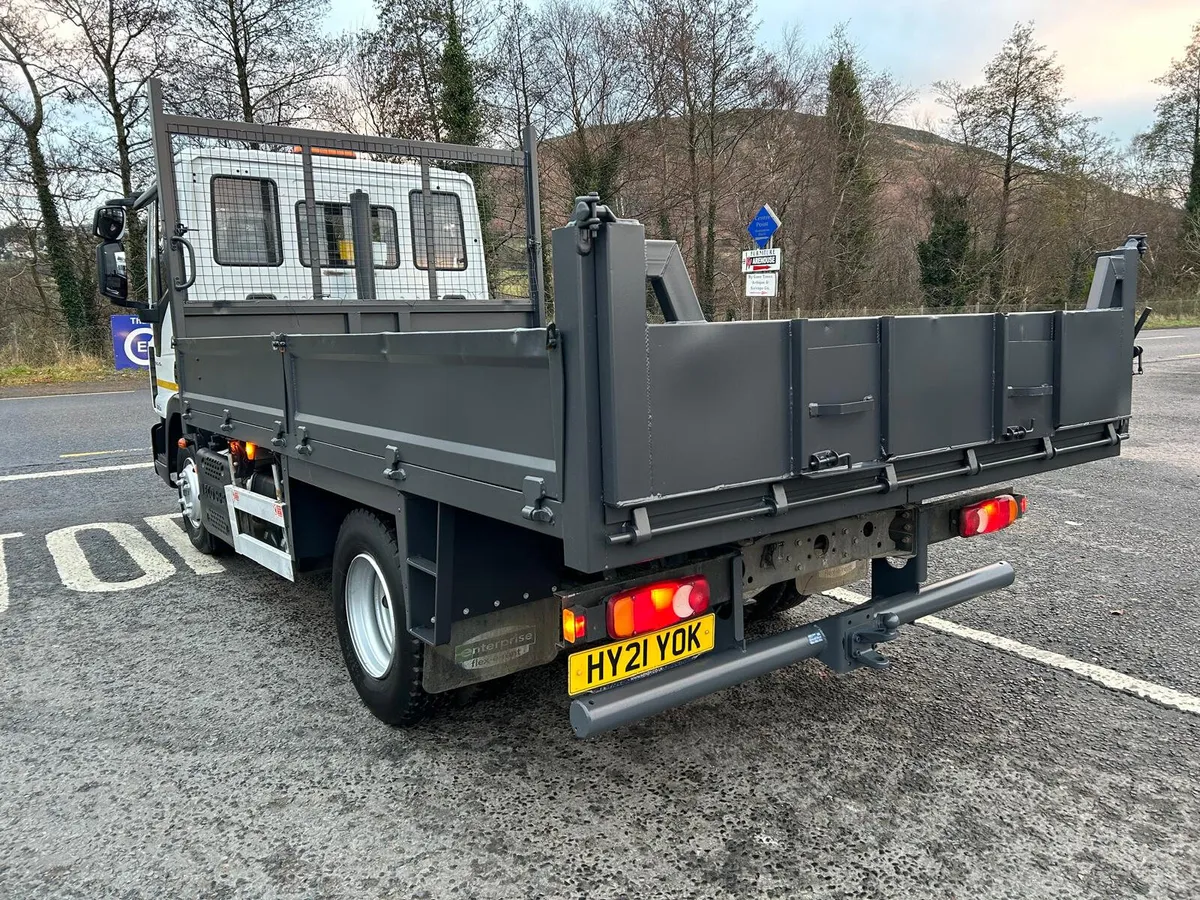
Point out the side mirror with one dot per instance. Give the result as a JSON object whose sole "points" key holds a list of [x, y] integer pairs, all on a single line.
{"points": [[108, 224], [110, 272]]}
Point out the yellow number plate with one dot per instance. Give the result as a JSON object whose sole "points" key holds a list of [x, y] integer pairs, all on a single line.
{"points": [[591, 669]]}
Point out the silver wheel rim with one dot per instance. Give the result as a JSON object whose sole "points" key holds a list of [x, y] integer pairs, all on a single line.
{"points": [[189, 493], [370, 615]]}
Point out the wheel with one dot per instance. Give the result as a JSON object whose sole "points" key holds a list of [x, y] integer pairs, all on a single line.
{"points": [[188, 484], [383, 659], [773, 600]]}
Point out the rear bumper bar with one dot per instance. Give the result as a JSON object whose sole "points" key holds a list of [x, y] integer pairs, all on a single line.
{"points": [[843, 642]]}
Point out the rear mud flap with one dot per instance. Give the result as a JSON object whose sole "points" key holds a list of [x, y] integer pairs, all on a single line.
{"points": [[494, 645]]}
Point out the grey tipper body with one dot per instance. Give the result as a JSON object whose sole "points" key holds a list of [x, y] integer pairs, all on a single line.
{"points": [[526, 466]]}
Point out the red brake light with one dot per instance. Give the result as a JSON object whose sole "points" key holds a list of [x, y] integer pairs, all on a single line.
{"points": [[991, 515], [655, 606]]}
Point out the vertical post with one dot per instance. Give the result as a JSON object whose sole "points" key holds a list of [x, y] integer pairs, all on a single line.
{"points": [[533, 226], [168, 201], [315, 242], [427, 217], [364, 251]]}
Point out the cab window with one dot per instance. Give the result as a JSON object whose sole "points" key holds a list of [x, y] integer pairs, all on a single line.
{"points": [[335, 236], [449, 241], [245, 214]]}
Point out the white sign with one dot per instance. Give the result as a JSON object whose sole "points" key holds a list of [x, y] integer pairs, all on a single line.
{"points": [[761, 284], [761, 260]]}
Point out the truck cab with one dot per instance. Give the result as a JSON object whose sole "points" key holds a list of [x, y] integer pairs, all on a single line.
{"points": [[247, 237]]}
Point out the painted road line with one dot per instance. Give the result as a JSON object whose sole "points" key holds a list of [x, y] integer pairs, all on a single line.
{"points": [[4, 569], [76, 572], [1109, 678], [101, 453], [169, 529], [80, 394], [1173, 358], [60, 473]]}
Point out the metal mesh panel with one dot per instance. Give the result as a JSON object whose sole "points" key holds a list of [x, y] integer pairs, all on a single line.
{"points": [[255, 215]]}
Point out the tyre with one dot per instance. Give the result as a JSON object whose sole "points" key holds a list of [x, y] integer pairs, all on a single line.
{"points": [[773, 600], [383, 659], [188, 485]]}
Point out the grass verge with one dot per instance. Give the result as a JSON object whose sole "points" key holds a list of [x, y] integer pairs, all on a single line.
{"points": [[70, 368], [1157, 321]]}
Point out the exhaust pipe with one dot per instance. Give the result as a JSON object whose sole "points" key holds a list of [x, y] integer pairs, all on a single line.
{"points": [[832, 639]]}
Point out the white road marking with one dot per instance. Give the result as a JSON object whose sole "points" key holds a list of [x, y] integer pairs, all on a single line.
{"points": [[60, 473], [81, 394], [4, 569], [1109, 678], [1174, 358], [168, 529], [76, 572], [101, 453]]}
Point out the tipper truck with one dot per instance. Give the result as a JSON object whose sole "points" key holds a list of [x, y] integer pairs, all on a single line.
{"points": [[354, 368]]}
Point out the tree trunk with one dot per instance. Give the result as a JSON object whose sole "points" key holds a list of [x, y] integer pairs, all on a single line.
{"points": [[76, 308], [135, 249]]}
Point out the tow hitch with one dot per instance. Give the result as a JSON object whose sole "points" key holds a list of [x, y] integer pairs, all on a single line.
{"points": [[843, 642]]}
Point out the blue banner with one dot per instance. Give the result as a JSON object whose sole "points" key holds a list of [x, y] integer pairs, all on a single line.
{"points": [[131, 342]]}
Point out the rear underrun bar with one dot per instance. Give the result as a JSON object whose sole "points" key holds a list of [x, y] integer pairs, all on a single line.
{"points": [[843, 642]]}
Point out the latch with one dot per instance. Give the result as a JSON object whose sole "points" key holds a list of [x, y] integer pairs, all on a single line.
{"points": [[280, 439], [589, 212], [303, 447], [278, 342], [823, 460], [186, 415], [226, 420], [534, 490], [394, 471]]}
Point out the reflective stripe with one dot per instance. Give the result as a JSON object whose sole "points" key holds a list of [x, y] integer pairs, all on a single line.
{"points": [[167, 385]]}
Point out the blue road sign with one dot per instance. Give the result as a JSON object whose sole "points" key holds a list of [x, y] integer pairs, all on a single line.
{"points": [[131, 342], [764, 224]]}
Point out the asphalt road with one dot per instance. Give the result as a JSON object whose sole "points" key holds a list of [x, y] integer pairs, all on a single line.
{"points": [[196, 735]]}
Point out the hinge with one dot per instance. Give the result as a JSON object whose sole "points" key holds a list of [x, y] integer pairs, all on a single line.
{"points": [[303, 447], [551, 336], [534, 490], [394, 470], [777, 500]]}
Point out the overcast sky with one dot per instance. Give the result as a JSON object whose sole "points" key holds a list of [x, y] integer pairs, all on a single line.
{"points": [[1111, 50]]}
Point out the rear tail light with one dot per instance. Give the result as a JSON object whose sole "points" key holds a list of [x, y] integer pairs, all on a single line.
{"points": [[574, 626], [991, 515], [655, 606]]}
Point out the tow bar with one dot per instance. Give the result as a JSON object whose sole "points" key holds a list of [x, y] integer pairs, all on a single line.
{"points": [[842, 642]]}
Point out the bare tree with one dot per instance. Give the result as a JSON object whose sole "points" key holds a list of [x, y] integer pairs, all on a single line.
{"points": [[708, 74], [26, 90], [592, 99], [254, 60], [522, 82], [1172, 145], [111, 50], [1018, 114]]}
